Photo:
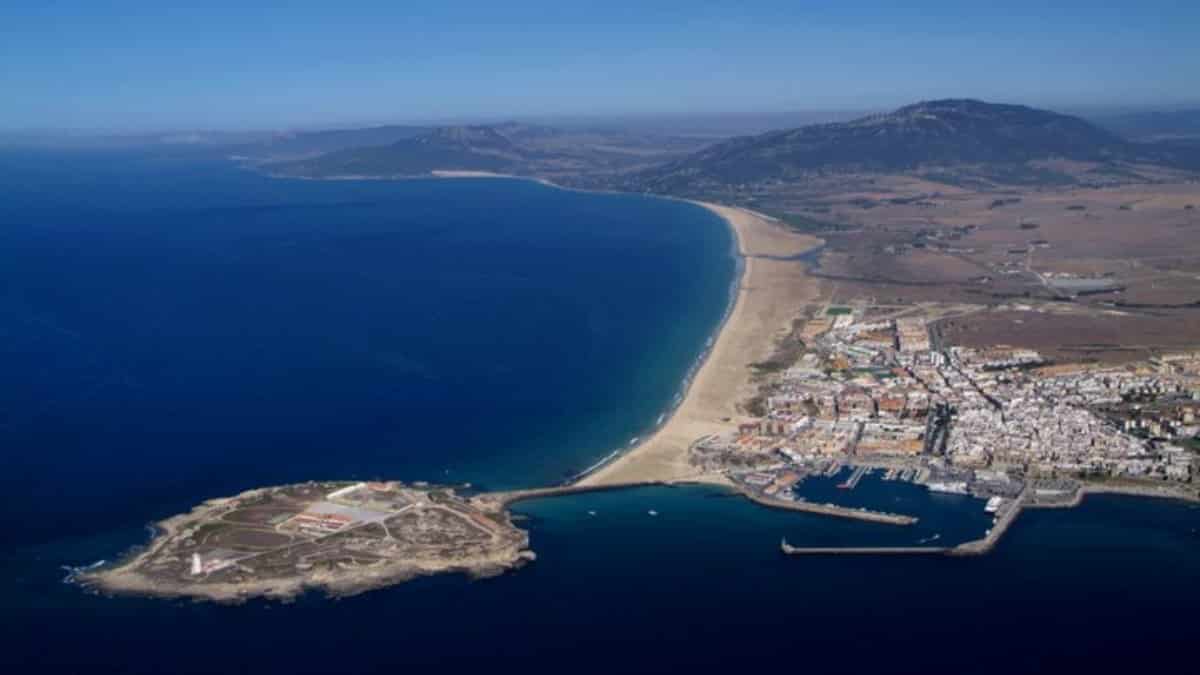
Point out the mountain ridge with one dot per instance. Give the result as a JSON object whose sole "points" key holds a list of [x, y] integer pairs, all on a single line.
{"points": [[968, 138], [938, 132]]}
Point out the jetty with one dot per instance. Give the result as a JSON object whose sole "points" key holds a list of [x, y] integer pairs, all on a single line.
{"points": [[861, 550], [975, 547], [514, 496], [853, 480], [830, 510], [1001, 525]]}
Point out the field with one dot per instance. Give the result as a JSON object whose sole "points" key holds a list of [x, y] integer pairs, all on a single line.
{"points": [[1108, 266]]}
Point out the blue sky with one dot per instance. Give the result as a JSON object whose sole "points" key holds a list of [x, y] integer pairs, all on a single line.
{"points": [[154, 64]]}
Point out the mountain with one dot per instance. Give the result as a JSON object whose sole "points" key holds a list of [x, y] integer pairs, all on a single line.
{"points": [[934, 133], [464, 148], [509, 147], [303, 144]]}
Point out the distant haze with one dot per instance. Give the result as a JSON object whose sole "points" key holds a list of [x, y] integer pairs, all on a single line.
{"points": [[135, 65]]}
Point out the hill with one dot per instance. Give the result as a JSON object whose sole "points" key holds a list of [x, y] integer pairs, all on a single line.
{"points": [[305, 144], [473, 148], [961, 140], [510, 147]]}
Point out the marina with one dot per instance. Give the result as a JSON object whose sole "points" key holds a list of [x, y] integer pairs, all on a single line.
{"points": [[865, 493], [855, 477]]}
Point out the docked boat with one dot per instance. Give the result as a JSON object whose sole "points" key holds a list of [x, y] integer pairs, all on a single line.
{"points": [[948, 487]]}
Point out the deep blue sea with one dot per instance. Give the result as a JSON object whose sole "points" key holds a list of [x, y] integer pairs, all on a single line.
{"points": [[174, 329]]}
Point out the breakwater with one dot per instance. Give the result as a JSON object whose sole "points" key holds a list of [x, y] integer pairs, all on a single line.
{"points": [[831, 510], [862, 550]]}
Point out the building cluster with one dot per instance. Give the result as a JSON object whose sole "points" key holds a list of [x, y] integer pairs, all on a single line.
{"points": [[878, 391]]}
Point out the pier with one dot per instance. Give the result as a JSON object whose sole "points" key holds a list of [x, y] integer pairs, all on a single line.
{"points": [[514, 496], [853, 480], [1001, 525], [975, 547], [831, 510], [788, 549]]}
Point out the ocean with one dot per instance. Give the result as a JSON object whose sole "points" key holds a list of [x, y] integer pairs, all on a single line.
{"points": [[173, 328]]}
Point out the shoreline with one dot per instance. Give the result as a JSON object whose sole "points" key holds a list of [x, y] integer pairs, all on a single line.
{"points": [[704, 391], [770, 285], [756, 243], [694, 370], [764, 294], [613, 470]]}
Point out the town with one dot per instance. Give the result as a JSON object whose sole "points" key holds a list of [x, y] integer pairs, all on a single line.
{"points": [[878, 391]]}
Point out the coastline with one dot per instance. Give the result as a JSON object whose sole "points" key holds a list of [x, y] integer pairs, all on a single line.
{"points": [[139, 573], [765, 297], [765, 251]]}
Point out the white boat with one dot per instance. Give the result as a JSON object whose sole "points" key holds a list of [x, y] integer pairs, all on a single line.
{"points": [[652, 512], [994, 504], [948, 487]]}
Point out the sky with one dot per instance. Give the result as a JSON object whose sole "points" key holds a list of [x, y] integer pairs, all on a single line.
{"points": [[156, 65]]}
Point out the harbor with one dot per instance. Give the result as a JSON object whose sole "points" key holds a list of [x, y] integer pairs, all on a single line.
{"points": [[900, 496]]}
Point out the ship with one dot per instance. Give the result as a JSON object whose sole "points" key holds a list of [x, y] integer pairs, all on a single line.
{"points": [[949, 487], [993, 504]]}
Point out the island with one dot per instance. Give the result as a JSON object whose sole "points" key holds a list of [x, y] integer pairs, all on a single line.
{"points": [[343, 538]]}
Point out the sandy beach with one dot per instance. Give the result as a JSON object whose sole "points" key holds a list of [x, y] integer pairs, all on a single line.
{"points": [[770, 295]]}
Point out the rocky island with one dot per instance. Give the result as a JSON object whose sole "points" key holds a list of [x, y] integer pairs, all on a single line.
{"points": [[339, 537]]}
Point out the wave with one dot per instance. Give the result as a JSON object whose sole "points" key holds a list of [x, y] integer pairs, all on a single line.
{"points": [[731, 301], [603, 460], [74, 571]]}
